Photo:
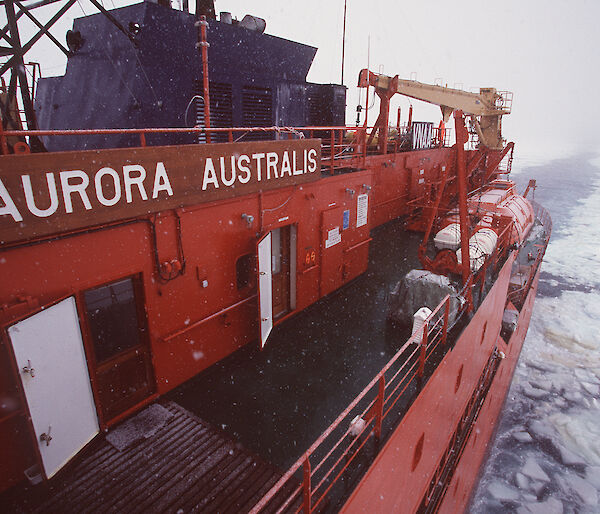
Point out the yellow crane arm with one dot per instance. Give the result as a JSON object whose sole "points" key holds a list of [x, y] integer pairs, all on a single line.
{"points": [[487, 105]]}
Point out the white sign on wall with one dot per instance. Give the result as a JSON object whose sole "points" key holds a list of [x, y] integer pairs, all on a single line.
{"points": [[362, 209], [333, 237]]}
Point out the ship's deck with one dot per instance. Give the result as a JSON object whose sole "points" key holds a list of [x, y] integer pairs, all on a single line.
{"points": [[273, 403], [278, 401], [183, 465]]}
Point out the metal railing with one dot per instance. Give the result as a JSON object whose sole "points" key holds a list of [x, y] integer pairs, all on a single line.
{"points": [[505, 165], [505, 100], [324, 467], [342, 147]]}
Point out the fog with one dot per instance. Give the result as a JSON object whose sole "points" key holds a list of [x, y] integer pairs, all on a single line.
{"points": [[543, 51]]}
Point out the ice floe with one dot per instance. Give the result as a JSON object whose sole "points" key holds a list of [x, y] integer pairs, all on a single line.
{"points": [[547, 450]]}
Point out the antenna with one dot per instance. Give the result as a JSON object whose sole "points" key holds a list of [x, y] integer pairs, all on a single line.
{"points": [[343, 42]]}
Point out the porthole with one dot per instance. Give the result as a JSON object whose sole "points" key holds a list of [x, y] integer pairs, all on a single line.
{"points": [[458, 378], [418, 452], [483, 333]]}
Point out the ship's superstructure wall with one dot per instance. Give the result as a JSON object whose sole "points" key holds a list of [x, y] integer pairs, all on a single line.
{"points": [[185, 277], [111, 82]]}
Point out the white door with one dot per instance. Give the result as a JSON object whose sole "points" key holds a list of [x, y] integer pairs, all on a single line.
{"points": [[49, 352], [265, 288]]}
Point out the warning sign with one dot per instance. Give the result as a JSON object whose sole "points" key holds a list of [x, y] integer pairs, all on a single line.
{"points": [[362, 209], [333, 237]]}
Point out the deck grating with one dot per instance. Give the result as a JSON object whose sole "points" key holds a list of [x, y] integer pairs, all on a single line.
{"points": [[187, 466]]}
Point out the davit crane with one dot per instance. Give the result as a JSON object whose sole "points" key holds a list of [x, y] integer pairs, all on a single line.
{"points": [[486, 108]]}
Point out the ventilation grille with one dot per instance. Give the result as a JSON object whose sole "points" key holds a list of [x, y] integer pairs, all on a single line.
{"points": [[221, 109], [257, 110], [315, 111]]}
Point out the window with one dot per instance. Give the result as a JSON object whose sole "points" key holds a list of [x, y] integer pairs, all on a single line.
{"points": [[245, 271], [113, 318]]}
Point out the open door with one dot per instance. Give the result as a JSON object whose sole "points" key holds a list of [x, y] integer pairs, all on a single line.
{"points": [[265, 288], [49, 353]]}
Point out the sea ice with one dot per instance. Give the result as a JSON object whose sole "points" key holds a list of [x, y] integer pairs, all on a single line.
{"points": [[582, 374], [550, 506], [521, 480], [541, 430], [533, 470], [502, 492], [581, 487], [580, 429], [592, 474], [537, 487], [533, 392], [586, 491], [569, 458], [590, 388], [523, 437], [545, 385], [541, 365], [573, 396]]}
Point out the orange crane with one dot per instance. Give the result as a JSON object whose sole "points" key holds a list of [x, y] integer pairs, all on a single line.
{"points": [[486, 108]]}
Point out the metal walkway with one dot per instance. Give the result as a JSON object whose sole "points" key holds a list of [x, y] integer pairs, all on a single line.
{"points": [[186, 466]]}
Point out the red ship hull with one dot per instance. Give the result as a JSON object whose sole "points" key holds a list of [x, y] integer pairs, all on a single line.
{"points": [[435, 419]]}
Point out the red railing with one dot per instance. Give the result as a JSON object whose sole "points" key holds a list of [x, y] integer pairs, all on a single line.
{"points": [[504, 101], [505, 165], [342, 147], [320, 469]]}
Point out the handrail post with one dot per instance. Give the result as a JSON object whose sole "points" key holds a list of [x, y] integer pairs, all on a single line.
{"points": [[3, 142], [230, 136], [332, 149], [423, 354], [142, 139], [379, 411], [445, 326], [306, 485], [356, 144], [364, 143]]}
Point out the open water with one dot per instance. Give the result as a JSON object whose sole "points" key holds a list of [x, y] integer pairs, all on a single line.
{"points": [[546, 454]]}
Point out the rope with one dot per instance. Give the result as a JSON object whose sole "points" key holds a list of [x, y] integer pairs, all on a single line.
{"points": [[282, 205], [188, 107], [279, 130]]}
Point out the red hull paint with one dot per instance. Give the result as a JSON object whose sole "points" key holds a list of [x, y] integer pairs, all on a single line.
{"points": [[389, 485], [467, 472], [397, 180], [190, 326]]}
